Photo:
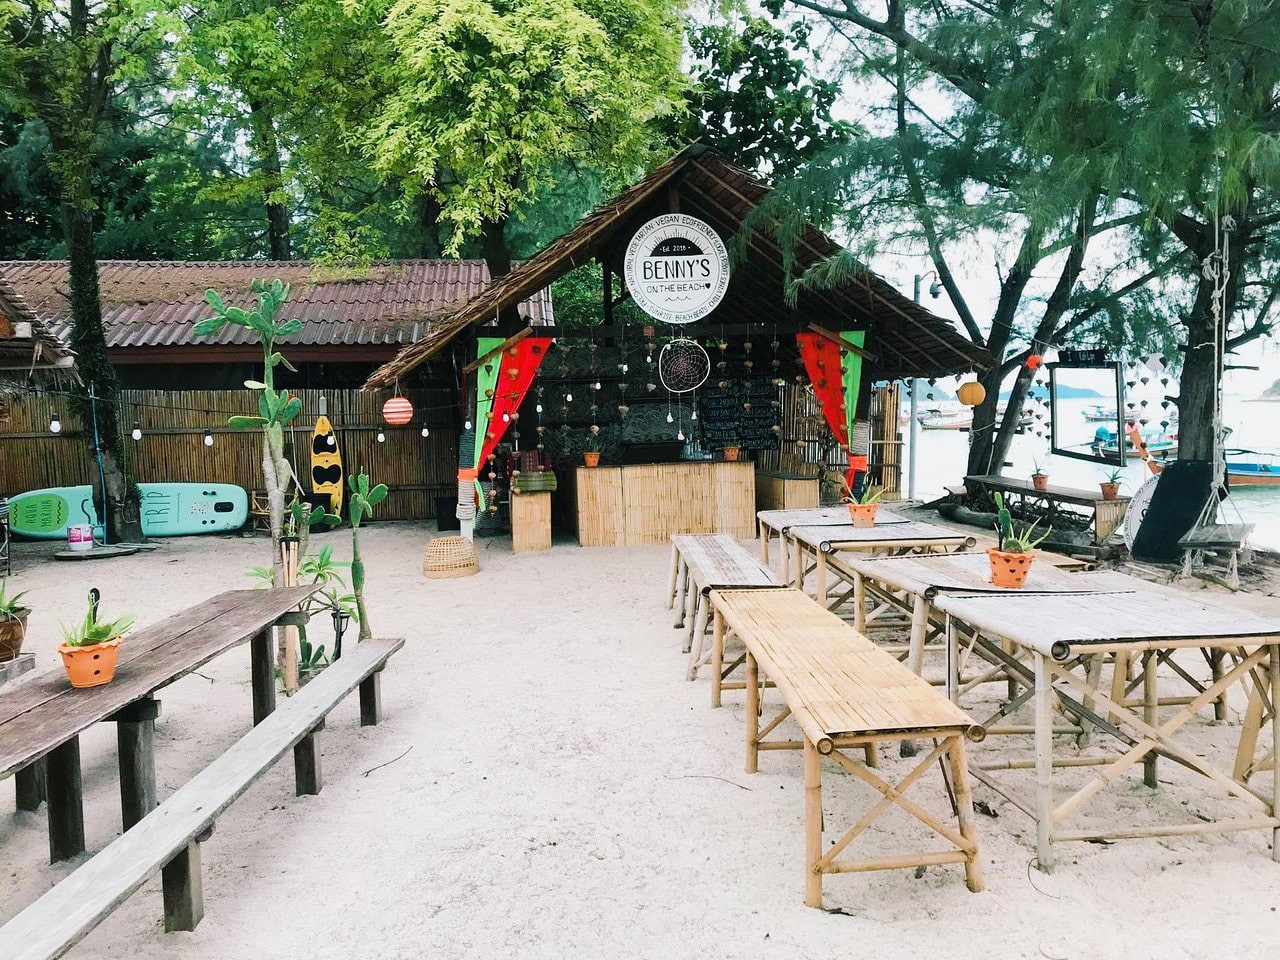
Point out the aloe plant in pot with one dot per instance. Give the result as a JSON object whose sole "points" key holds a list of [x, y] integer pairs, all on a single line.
{"points": [[862, 509], [1011, 559], [13, 623], [90, 647]]}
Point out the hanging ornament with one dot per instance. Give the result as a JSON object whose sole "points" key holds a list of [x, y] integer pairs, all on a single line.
{"points": [[971, 393], [623, 409], [595, 428], [670, 418], [397, 411], [1034, 361], [680, 434], [568, 398], [382, 438], [426, 431]]}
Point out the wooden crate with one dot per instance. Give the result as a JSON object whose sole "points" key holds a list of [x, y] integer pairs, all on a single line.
{"points": [[530, 522], [775, 491]]}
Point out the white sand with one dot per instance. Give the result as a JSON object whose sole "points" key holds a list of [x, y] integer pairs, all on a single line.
{"points": [[567, 794]]}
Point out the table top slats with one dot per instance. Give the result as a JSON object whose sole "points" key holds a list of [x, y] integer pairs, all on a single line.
{"points": [[930, 574], [168, 650], [836, 681], [819, 517], [718, 560], [836, 537]]}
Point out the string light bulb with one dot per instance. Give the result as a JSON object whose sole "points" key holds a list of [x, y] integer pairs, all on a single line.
{"points": [[568, 398], [426, 431], [208, 437], [506, 417], [467, 425], [538, 408], [331, 440], [55, 425], [670, 418], [382, 437], [137, 430]]}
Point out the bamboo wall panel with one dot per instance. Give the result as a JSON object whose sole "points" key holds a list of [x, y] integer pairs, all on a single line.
{"points": [[886, 441], [530, 522], [600, 514], [416, 469], [785, 493], [647, 503], [734, 500]]}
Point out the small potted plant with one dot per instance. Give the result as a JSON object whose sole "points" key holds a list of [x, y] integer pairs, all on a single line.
{"points": [[1040, 479], [591, 452], [13, 624], [89, 649], [1011, 559], [731, 451], [1111, 485], [862, 509]]}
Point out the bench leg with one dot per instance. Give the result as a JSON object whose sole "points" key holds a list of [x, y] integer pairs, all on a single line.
{"points": [[700, 639], [29, 786], [964, 812], [682, 591], [135, 741], [812, 825], [675, 572], [371, 700], [263, 670], [66, 801], [183, 890], [307, 779], [753, 714], [717, 657], [699, 602]]}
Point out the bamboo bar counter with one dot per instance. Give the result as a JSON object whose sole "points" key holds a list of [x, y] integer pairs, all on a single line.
{"points": [[646, 503]]}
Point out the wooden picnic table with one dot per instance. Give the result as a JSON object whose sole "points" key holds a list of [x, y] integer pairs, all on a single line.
{"points": [[891, 539], [778, 522], [41, 720], [1066, 639], [1107, 514]]}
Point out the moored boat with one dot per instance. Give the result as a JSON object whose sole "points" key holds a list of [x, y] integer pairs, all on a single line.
{"points": [[1251, 468]]}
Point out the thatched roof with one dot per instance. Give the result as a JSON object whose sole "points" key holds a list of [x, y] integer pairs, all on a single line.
{"points": [[26, 342], [905, 338]]}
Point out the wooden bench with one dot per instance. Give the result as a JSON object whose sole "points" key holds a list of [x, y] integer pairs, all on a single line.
{"points": [[1231, 538], [699, 563], [846, 693], [1107, 514], [41, 721], [169, 837]]}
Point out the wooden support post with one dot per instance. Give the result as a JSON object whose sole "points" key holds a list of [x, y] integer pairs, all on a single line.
{"points": [[264, 676], [820, 574], [288, 633], [135, 742], [717, 657], [1044, 763], [812, 824], [764, 545], [1274, 694], [371, 700], [29, 786], [307, 778], [675, 571], [782, 555], [1150, 711], [1216, 657], [699, 602], [753, 713], [183, 890], [682, 590], [66, 801]]}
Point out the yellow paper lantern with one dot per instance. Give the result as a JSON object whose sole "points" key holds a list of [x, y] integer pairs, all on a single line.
{"points": [[972, 393]]}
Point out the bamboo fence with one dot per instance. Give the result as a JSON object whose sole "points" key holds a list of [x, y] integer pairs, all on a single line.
{"points": [[416, 469]]}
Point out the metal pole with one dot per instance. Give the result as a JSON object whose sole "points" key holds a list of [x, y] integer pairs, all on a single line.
{"points": [[913, 427]]}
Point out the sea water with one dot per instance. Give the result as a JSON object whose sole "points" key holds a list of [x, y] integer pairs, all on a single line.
{"points": [[941, 457]]}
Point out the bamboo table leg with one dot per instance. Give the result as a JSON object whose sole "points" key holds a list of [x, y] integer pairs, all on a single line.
{"points": [[717, 656], [1274, 655], [1150, 714], [859, 603], [1044, 764], [798, 580], [820, 574], [964, 811], [812, 824], [782, 554], [764, 544], [699, 602], [1215, 665], [753, 713], [682, 588], [675, 572]]}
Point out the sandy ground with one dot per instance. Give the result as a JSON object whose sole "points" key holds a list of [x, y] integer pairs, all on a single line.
{"points": [[547, 785]]}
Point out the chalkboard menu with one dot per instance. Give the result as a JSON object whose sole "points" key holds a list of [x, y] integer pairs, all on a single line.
{"points": [[741, 413]]}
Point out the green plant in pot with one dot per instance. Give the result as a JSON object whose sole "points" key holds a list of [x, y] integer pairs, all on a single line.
{"points": [[1039, 477], [591, 451], [862, 507], [1111, 485], [90, 647], [13, 623], [1011, 559]]}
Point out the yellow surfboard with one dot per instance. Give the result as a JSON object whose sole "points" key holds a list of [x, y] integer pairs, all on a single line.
{"points": [[326, 464]]}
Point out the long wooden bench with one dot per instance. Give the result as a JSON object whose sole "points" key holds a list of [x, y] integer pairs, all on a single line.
{"points": [[1107, 514], [846, 693], [700, 563], [169, 838]]}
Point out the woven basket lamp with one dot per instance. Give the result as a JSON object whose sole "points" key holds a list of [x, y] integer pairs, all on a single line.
{"points": [[448, 557]]}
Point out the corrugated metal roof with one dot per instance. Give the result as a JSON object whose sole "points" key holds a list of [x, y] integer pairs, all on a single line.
{"points": [[157, 303]]}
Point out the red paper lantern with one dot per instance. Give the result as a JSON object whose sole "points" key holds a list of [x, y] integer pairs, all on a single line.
{"points": [[1034, 361], [397, 411]]}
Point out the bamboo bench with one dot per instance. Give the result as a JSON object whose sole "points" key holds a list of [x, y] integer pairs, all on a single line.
{"points": [[846, 693], [700, 562], [169, 837]]}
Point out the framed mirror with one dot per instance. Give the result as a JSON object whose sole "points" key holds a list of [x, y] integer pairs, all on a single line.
{"points": [[1086, 412]]}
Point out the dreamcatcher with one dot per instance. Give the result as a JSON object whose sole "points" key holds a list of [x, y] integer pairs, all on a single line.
{"points": [[683, 365]]}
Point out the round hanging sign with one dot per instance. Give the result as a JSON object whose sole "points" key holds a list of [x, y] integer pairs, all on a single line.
{"points": [[676, 268]]}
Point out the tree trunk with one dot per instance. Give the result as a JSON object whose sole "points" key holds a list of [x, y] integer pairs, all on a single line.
{"points": [[982, 434], [267, 146], [493, 241]]}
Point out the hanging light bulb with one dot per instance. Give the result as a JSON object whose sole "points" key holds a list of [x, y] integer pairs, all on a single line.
{"points": [[467, 425], [694, 415], [506, 417], [426, 432], [208, 438], [55, 425], [596, 385], [568, 398], [670, 418], [331, 440], [680, 435], [625, 368], [538, 408], [382, 437], [137, 430]]}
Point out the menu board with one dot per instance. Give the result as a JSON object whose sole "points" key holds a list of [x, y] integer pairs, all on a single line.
{"points": [[741, 413]]}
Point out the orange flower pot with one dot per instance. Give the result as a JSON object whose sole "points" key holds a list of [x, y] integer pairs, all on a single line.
{"points": [[863, 514], [591, 458], [1040, 481], [90, 666], [731, 453], [1009, 569], [1110, 491], [12, 632]]}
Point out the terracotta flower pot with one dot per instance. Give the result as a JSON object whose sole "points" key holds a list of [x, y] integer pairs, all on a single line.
{"points": [[1040, 481], [863, 514], [90, 666], [12, 632], [591, 458], [731, 453], [1110, 490], [1009, 569]]}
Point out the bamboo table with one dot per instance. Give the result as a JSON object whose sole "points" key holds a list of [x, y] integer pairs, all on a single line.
{"points": [[1066, 638], [778, 522], [892, 539]]}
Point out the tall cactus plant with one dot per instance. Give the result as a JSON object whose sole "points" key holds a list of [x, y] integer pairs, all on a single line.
{"points": [[360, 505]]}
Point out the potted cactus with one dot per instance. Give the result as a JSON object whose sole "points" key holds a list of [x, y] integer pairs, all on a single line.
{"points": [[591, 452], [89, 649], [1040, 479], [1011, 559], [1111, 485], [862, 509], [13, 624]]}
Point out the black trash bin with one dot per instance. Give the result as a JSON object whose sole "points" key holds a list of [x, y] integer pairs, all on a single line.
{"points": [[447, 513]]}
